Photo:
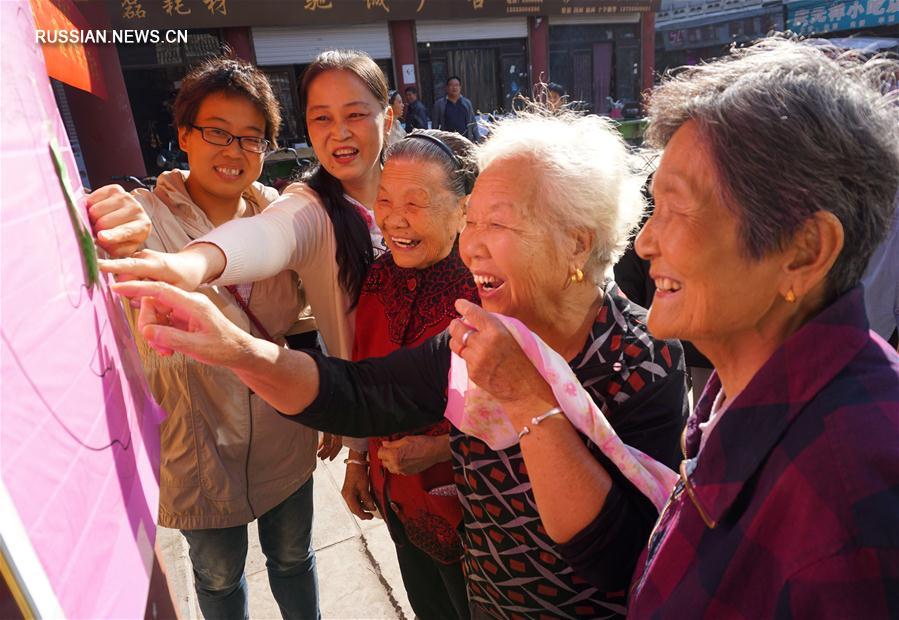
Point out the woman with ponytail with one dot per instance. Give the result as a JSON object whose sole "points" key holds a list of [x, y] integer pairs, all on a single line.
{"points": [[322, 227]]}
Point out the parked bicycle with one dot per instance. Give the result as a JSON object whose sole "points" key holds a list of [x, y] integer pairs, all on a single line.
{"points": [[144, 182]]}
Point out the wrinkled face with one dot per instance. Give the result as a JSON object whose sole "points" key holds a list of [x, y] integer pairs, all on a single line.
{"points": [[454, 88], [346, 125], [516, 263], [397, 106], [706, 289], [223, 172], [417, 214]]}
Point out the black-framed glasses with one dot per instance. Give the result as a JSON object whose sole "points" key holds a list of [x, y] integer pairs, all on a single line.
{"points": [[220, 137]]}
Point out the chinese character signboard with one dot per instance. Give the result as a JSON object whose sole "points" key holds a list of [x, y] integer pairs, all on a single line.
{"points": [[224, 13], [824, 17]]}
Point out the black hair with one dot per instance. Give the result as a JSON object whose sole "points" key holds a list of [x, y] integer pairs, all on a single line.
{"points": [[411, 89], [454, 77], [553, 87], [232, 77], [354, 250]]}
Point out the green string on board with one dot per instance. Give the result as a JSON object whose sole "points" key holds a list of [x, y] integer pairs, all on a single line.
{"points": [[85, 240]]}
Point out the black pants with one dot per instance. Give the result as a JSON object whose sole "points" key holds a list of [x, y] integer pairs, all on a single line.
{"points": [[436, 591]]}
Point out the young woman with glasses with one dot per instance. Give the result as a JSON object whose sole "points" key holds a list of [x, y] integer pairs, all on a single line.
{"points": [[321, 229], [227, 458]]}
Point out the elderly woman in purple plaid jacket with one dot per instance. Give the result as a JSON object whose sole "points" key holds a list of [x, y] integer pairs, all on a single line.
{"points": [[778, 179]]}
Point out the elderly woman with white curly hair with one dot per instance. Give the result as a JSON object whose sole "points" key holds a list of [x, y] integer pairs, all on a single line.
{"points": [[540, 488]]}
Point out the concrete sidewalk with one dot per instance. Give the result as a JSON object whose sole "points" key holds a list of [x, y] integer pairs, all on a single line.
{"points": [[357, 569]]}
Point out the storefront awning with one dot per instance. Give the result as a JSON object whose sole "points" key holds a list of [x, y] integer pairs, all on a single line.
{"points": [[819, 17]]}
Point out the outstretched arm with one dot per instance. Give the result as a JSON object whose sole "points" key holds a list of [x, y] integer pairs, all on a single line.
{"points": [[293, 230], [404, 391], [187, 269], [174, 320]]}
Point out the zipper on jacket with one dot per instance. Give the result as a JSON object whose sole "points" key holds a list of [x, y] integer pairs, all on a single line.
{"points": [[249, 448], [250, 411]]}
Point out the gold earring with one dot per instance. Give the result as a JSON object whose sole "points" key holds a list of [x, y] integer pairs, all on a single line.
{"points": [[577, 276], [790, 297]]}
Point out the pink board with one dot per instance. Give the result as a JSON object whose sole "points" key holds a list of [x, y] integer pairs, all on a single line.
{"points": [[79, 451]]}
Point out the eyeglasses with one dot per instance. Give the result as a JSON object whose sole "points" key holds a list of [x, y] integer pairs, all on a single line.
{"points": [[220, 137]]}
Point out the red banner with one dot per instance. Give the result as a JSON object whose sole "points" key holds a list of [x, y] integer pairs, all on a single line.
{"points": [[59, 24]]}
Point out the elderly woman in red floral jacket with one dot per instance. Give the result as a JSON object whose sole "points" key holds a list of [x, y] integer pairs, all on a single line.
{"points": [[408, 297]]}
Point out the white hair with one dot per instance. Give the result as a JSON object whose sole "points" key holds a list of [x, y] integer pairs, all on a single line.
{"points": [[586, 178]]}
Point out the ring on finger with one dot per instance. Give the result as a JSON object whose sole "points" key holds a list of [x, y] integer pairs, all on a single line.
{"points": [[465, 337]]}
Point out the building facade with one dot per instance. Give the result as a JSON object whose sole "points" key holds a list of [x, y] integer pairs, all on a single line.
{"points": [[599, 50], [689, 31]]}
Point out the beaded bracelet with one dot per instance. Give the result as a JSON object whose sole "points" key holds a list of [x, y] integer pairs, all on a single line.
{"points": [[536, 420]]}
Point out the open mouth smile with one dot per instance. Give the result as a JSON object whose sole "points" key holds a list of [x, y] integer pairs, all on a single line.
{"points": [[665, 286], [487, 284], [405, 243], [345, 155], [228, 172]]}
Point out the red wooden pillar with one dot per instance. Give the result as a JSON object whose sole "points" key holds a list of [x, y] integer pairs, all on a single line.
{"points": [[405, 52], [648, 44], [538, 49], [105, 129], [240, 41]]}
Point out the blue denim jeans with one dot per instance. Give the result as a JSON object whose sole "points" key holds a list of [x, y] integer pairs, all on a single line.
{"points": [[285, 535]]}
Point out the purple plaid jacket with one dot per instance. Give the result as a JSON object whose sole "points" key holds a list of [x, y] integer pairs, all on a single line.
{"points": [[792, 509]]}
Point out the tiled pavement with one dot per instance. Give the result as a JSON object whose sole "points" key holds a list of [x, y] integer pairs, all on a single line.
{"points": [[357, 568]]}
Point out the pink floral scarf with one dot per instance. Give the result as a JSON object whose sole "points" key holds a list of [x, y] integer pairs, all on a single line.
{"points": [[475, 412]]}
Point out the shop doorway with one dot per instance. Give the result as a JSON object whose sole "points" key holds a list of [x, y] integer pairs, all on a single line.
{"points": [[594, 62], [478, 70], [492, 73], [602, 76], [581, 81]]}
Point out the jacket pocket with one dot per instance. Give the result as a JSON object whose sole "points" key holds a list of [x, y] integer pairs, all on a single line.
{"points": [[220, 416]]}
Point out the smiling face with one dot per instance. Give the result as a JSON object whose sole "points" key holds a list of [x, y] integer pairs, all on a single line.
{"points": [[707, 290], [518, 266], [222, 172], [417, 214], [346, 125]]}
